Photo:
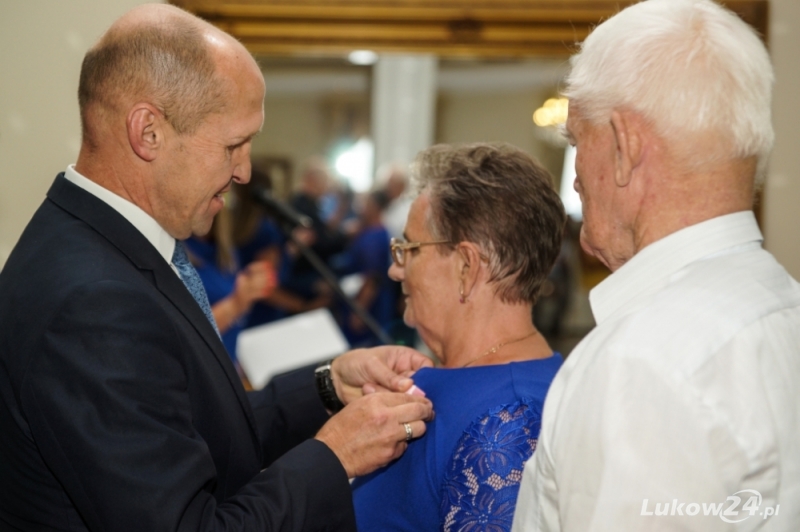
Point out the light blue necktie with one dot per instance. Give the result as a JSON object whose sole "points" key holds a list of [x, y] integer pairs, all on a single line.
{"points": [[192, 281]]}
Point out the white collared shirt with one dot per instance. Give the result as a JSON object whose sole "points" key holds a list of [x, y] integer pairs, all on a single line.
{"points": [[686, 392], [146, 224]]}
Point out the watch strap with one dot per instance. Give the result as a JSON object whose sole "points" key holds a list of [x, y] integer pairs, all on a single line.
{"points": [[325, 388]]}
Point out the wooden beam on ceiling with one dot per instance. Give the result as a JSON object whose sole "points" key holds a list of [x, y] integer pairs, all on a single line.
{"points": [[452, 28]]}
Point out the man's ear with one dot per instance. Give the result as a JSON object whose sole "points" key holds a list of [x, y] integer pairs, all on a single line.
{"points": [[145, 126], [628, 135], [469, 265]]}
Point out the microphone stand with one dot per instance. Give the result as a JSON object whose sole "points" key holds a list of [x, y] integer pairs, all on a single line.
{"points": [[331, 279]]}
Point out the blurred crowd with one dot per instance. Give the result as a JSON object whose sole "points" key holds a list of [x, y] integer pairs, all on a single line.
{"points": [[254, 272]]}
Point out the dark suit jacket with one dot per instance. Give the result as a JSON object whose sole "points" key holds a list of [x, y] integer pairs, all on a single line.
{"points": [[121, 409]]}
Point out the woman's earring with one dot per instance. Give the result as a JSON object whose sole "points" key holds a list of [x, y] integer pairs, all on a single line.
{"points": [[461, 293]]}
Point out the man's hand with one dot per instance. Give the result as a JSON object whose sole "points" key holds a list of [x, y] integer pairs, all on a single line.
{"points": [[369, 433], [380, 368]]}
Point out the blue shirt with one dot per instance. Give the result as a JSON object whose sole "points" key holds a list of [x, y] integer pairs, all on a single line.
{"points": [[369, 254], [467, 467]]}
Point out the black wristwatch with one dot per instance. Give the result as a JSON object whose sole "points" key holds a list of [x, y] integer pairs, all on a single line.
{"points": [[325, 389]]}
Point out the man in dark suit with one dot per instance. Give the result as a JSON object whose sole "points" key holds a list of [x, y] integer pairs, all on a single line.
{"points": [[119, 407]]}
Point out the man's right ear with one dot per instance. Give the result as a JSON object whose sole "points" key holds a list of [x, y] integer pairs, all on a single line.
{"points": [[145, 126], [627, 128]]}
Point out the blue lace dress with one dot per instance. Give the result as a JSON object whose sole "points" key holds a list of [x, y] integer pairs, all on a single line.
{"points": [[464, 474]]}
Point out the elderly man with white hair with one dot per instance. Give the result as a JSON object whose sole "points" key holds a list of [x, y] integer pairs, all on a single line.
{"points": [[679, 411]]}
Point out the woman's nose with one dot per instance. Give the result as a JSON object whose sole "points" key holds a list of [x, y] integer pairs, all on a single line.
{"points": [[396, 273]]}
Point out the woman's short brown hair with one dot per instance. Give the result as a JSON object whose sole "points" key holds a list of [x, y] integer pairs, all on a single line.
{"points": [[500, 198]]}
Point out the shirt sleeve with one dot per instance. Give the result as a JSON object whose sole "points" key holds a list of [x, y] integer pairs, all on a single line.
{"points": [[482, 478]]}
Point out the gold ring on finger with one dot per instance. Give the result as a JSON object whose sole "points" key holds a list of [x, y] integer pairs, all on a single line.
{"points": [[409, 432]]}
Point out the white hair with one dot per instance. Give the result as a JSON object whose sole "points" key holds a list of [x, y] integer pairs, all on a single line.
{"points": [[690, 67]]}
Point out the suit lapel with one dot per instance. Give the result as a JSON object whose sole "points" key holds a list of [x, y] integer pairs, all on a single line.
{"points": [[125, 237]]}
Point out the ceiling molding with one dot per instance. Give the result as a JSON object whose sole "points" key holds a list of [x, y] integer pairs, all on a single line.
{"points": [[449, 28]]}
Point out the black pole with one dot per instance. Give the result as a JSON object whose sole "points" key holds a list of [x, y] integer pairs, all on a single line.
{"points": [[331, 279]]}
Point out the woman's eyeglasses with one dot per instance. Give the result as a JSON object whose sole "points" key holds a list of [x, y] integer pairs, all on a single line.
{"points": [[399, 249]]}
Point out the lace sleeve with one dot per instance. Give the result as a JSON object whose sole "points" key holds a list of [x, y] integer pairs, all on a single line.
{"points": [[482, 479]]}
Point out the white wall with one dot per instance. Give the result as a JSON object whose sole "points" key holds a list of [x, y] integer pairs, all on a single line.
{"points": [[497, 117], [42, 43], [782, 189], [293, 128]]}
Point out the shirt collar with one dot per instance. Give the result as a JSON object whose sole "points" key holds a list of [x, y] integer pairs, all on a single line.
{"points": [[146, 224], [650, 269]]}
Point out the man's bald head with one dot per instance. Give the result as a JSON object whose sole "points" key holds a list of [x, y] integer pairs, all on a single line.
{"points": [[160, 54]]}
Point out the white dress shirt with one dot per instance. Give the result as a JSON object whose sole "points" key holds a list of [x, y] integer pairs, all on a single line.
{"points": [[146, 224], [686, 392]]}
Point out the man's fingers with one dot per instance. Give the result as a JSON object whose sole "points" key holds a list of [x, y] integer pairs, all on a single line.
{"points": [[373, 388], [405, 360], [378, 373], [398, 400], [418, 361], [371, 431], [421, 409], [417, 429], [382, 368]]}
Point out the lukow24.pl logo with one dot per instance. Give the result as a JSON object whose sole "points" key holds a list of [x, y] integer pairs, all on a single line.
{"points": [[742, 505]]}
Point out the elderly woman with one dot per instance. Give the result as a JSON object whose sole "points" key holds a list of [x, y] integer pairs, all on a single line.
{"points": [[480, 240]]}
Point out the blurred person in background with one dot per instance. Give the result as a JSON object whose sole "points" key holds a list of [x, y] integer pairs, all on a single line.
{"points": [[338, 208], [393, 180], [232, 286], [368, 255], [257, 237], [303, 280]]}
